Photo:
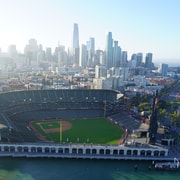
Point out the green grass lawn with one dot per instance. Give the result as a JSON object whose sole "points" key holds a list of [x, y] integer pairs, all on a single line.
{"points": [[96, 131]]}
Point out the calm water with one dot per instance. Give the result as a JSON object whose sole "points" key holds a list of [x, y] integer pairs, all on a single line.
{"points": [[72, 169]]}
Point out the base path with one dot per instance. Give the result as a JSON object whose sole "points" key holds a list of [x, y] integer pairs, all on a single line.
{"points": [[65, 126]]}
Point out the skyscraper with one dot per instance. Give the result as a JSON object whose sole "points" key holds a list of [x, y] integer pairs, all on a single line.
{"points": [[75, 36], [163, 69], [139, 59], [100, 71], [75, 45], [109, 51], [91, 51], [48, 54], [30, 52], [12, 51], [123, 61], [99, 58], [83, 61], [148, 60], [116, 54]]}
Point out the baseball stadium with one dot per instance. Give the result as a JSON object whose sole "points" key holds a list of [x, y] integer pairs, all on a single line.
{"points": [[66, 123]]}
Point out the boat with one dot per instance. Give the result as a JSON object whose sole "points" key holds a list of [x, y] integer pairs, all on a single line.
{"points": [[169, 166]]}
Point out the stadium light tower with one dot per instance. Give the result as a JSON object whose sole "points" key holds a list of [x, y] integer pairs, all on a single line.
{"points": [[104, 108], [153, 121]]}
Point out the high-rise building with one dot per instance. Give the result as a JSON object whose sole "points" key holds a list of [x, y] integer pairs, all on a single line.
{"points": [[91, 51], [75, 36], [163, 69], [123, 61], [116, 54], [122, 72], [99, 58], [40, 55], [83, 56], [48, 54], [134, 57], [12, 51], [139, 59], [148, 60], [100, 71], [62, 58], [30, 52], [109, 51], [75, 45]]}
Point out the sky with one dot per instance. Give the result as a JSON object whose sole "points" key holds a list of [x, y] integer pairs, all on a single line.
{"points": [[138, 25]]}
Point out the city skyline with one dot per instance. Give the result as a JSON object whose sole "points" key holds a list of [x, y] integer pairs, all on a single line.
{"points": [[149, 26]]}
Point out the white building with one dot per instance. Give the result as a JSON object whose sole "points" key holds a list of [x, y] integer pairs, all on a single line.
{"points": [[100, 71]]}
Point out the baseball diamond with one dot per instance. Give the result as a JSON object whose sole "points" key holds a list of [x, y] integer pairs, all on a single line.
{"points": [[96, 131]]}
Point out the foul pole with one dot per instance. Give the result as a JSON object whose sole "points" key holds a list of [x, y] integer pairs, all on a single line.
{"points": [[104, 108], [60, 132]]}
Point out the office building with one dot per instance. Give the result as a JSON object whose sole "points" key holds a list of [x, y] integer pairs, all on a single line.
{"points": [[116, 54], [48, 54], [83, 56], [123, 60], [12, 52], [148, 60], [139, 59], [163, 69], [75, 46], [30, 52], [109, 51], [90, 52], [99, 58], [100, 71]]}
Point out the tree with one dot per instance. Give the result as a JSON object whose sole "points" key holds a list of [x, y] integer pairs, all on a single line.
{"points": [[175, 118], [162, 104], [145, 106]]}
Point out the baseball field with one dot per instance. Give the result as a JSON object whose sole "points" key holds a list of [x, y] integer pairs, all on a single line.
{"points": [[96, 131]]}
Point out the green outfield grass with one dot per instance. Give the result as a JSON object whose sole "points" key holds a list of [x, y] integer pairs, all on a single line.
{"points": [[96, 131]]}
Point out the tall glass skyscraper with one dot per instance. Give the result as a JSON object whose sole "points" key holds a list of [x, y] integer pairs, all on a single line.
{"points": [[123, 61], [116, 54], [75, 36], [139, 59], [148, 60], [83, 61], [91, 51], [109, 51], [75, 45], [163, 69]]}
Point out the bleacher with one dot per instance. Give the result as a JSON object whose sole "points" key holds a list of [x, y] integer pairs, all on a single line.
{"points": [[126, 121]]}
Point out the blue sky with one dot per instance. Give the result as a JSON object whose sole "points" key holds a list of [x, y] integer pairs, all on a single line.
{"points": [[138, 25]]}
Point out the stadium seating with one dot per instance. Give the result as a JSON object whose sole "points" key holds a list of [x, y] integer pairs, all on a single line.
{"points": [[18, 108]]}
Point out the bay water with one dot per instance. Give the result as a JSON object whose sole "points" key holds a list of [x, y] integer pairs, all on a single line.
{"points": [[76, 169]]}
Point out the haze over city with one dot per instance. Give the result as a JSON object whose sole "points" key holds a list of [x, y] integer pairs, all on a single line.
{"points": [[139, 26]]}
